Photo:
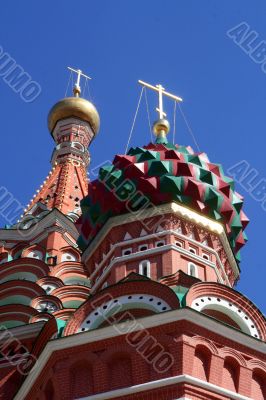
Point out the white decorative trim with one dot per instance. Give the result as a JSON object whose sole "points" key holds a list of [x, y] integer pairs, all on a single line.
{"points": [[150, 252], [160, 242], [159, 229], [24, 331], [175, 208], [126, 250], [55, 219], [127, 236], [173, 316], [122, 303], [141, 247], [166, 382], [205, 256], [184, 251], [234, 312], [143, 233]]}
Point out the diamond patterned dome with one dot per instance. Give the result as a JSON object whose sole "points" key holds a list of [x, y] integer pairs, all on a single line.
{"points": [[164, 173]]}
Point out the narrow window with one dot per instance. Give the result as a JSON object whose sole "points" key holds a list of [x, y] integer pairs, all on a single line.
{"points": [[144, 268], [192, 270]]}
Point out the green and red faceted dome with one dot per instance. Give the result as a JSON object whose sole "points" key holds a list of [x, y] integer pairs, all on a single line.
{"points": [[163, 173]]}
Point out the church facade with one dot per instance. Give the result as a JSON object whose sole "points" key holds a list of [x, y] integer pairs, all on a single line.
{"points": [[123, 287]]}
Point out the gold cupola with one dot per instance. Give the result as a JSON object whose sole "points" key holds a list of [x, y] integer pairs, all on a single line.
{"points": [[76, 107]]}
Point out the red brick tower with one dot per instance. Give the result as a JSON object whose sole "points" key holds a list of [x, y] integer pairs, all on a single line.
{"points": [[160, 234], [42, 278]]}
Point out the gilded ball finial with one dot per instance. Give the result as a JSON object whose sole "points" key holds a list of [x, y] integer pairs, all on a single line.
{"points": [[76, 107], [161, 128]]}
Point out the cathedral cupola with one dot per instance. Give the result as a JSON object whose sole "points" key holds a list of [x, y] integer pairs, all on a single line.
{"points": [[75, 106], [73, 123], [174, 197]]}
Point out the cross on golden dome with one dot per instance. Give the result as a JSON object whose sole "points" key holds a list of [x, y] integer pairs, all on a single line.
{"points": [[162, 126], [76, 88], [161, 91]]}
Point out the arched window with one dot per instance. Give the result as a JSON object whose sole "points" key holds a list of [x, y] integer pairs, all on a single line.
{"points": [[258, 386], [230, 375], [192, 250], [201, 364], [145, 268], [120, 372], [143, 247], [126, 252], [81, 380], [192, 270]]}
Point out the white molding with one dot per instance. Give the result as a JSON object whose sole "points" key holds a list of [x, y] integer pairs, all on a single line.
{"points": [[186, 314], [24, 331], [54, 220], [163, 233], [122, 304], [174, 208], [152, 251], [166, 382], [229, 308]]}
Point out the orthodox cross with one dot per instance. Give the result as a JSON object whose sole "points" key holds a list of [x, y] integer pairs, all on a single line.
{"points": [[79, 73], [161, 91]]}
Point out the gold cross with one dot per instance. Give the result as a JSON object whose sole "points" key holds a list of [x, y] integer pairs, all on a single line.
{"points": [[77, 89], [161, 91]]}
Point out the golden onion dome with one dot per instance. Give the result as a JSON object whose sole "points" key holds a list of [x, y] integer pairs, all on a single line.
{"points": [[74, 107]]}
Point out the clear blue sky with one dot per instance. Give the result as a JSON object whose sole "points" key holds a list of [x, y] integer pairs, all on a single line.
{"points": [[181, 44]]}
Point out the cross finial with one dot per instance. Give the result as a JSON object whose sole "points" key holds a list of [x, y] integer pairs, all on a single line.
{"points": [[162, 126], [161, 91], [76, 88]]}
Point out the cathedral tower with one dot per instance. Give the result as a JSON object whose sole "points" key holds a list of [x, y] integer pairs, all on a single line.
{"points": [[124, 286]]}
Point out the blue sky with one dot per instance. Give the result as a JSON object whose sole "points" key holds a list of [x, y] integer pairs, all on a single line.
{"points": [[183, 45]]}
